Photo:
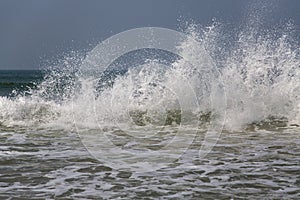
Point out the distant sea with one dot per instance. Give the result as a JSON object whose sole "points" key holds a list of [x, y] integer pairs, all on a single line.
{"points": [[18, 80]]}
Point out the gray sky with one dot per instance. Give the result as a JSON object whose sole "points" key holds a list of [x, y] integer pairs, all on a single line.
{"points": [[32, 31]]}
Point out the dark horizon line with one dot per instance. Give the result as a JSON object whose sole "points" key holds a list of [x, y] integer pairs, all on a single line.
{"points": [[16, 69]]}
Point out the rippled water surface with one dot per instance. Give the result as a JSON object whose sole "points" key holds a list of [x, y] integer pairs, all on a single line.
{"points": [[48, 163]]}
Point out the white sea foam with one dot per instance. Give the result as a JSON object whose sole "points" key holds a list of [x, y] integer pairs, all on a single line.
{"points": [[255, 80]]}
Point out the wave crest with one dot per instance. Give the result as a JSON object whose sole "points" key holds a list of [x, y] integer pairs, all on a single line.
{"points": [[259, 73]]}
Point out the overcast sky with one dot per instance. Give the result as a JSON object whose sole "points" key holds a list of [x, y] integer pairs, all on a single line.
{"points": [[32, 31]]}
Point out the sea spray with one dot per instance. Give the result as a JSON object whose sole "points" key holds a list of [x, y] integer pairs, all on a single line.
{"points": [[259, 76]]}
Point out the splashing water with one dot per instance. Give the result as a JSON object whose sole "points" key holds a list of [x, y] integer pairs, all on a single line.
{"points": [[259, 73]]}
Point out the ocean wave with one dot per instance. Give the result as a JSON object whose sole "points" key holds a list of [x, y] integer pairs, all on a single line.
{"points": [[255, 84]]}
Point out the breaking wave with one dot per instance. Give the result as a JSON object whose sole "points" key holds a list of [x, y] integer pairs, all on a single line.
{"points": [[259, 72]]}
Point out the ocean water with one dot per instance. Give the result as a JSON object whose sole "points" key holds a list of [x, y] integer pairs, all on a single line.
{"points": [[17, 81], [161, 127]]}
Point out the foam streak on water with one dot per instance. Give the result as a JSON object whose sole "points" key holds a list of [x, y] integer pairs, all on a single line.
{"points": [[53, 164]]}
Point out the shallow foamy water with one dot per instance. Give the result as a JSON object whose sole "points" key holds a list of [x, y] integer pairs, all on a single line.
{"points": [[48, 163]]}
